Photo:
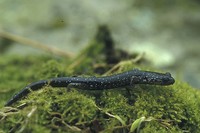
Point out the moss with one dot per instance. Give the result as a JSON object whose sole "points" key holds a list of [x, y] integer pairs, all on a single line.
{"points": [[169, 104], [85, 61], [16, 72], [177, 104], [73, 110], [172, 109], [51, 68], [58, 107], [155, 127]]}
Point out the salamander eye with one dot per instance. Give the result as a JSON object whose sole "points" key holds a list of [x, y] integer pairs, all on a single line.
{"points": [[168, 74]]}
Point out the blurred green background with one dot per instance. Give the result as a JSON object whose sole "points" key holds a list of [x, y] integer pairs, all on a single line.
{"points": [[168, 31]]}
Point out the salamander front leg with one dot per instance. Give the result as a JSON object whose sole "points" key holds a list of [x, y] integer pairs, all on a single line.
{"points": [[129, 95]]}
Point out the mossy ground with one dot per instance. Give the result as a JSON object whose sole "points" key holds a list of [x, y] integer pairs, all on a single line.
{"points": [[173, 108]]}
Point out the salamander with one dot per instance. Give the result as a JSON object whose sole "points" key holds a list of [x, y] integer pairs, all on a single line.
{"points": [[128, 78]]}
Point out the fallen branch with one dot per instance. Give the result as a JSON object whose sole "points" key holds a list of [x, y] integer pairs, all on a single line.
{"points": [[35, 44]]}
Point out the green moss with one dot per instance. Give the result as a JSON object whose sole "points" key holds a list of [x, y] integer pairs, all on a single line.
{"points": [[156, 127], [177, 104], [87, 58], [51, 68], [58, 108], [55, 109], [16, 72], [173, 109]]}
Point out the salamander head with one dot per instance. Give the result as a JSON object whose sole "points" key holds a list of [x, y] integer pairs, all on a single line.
{"points": [[153, 78], [167, 79]]}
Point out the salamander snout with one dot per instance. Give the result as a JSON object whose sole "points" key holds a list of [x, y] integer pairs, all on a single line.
{"points": [[167, 79]]}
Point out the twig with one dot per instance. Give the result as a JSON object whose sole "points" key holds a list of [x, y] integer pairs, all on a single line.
{"points": [[132, 61], [35, 44]]}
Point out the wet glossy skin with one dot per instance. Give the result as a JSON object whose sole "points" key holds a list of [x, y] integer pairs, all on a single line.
{"points": [[128, 78]]}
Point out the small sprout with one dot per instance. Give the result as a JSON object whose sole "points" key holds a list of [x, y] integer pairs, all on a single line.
{"points": [[31, 112], [114, 116], [136, 124], [117, 117]]}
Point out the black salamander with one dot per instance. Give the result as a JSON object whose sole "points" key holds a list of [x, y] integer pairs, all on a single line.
{"points": [[128, 78]]}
